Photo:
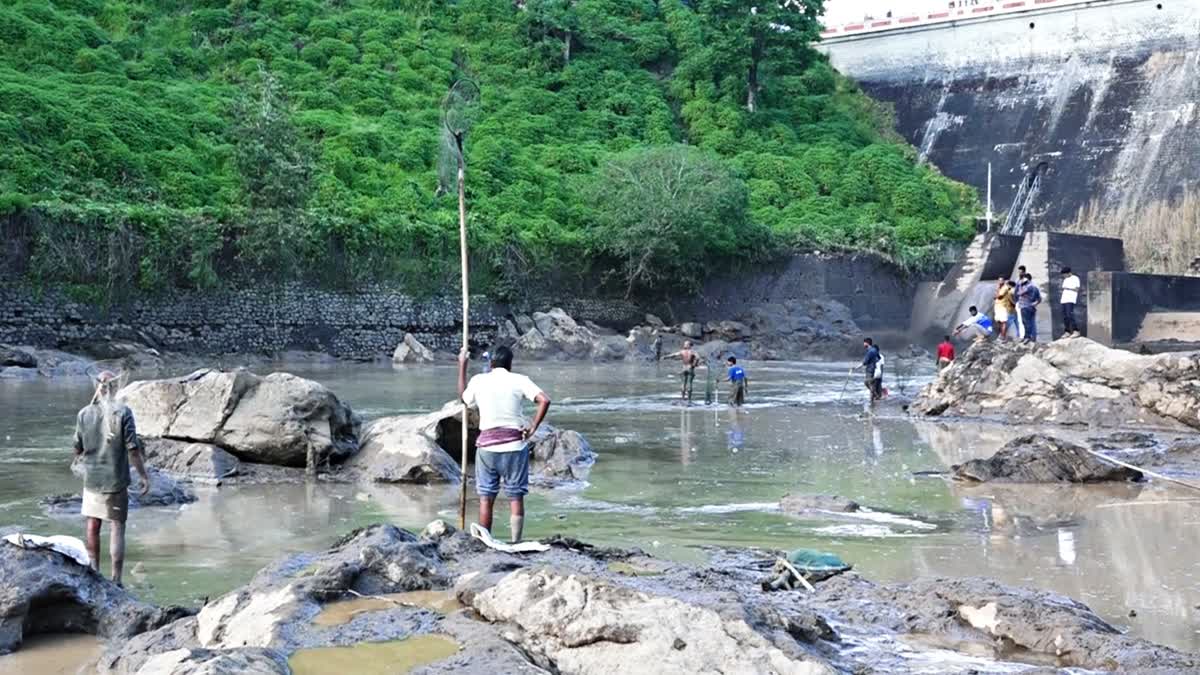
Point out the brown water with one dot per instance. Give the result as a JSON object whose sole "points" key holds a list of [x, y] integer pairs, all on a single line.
{"points": [[672, 479], [374, 658], [344, 611], [54, 655]]}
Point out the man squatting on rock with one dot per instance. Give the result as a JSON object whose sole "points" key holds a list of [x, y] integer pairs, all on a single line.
{"points": [[106, 438], [502, 450]]}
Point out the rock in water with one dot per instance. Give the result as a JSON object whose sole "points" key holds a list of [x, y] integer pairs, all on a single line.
{"points": [[410, 350], [42, 591], [425, 449], [799, 504], [1074, 381], [200, 462], [583, 625], [164, 491], [691, 329], [404, 449], [18, 358], [1038, 458], [278, 419], [562, 453]]}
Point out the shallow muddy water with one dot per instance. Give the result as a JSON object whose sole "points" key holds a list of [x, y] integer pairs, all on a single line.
{"points": [[671, 480]]}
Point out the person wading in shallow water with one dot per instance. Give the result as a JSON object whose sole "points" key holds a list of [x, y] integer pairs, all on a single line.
{"points": [[106, 439], [872, 365], [691, 361], [738, 383], [502, 450]]}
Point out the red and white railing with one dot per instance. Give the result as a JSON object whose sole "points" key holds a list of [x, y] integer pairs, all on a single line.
{"points": [[952, 13]]}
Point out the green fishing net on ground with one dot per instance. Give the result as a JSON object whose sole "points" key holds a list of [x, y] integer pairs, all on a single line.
{"points": [[815, 566]]}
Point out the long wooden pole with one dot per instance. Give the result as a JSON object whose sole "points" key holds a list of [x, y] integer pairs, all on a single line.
{"points": [[462, 247], [1145, 471]]}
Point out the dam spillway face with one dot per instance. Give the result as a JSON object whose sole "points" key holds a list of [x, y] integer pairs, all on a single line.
{"points": [[1105, 94]]}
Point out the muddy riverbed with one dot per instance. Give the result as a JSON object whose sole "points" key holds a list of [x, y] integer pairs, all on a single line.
{"points": [[671, 480]]}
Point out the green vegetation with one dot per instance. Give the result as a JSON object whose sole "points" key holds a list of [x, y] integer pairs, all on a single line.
{"points": [[167, 142]]}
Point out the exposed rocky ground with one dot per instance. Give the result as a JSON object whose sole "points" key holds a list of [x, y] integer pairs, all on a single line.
{"points": [[573, 609], [1073, 381], [43, 591], [793, 330]]}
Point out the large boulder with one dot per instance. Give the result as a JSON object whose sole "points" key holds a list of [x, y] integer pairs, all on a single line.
{"points": [[410, 350], [583, 625], [1039, 458], [43, 591], [691, 329], [278, 419], [404, 449], [1073, 381]]}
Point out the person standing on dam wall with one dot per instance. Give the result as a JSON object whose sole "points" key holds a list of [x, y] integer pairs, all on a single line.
{"points": [[1070, 295]]}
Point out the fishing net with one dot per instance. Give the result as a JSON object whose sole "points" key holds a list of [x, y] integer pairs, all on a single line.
{"points": [[460, 110]]}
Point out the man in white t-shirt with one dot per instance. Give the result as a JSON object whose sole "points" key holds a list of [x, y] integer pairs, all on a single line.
{"points": [[502, 450], [1070, 295]]}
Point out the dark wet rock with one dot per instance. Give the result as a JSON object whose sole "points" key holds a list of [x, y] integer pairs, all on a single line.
{"points": [[164, 491], [1039, 458], [957, 612], [16, 357], [1074, 381], [43, 591], [800, 504], [279, 419], [410, 350], [198, 462], [562, 454], [403, 449]]}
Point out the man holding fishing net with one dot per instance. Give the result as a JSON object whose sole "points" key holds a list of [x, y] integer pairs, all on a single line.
{"points": [[502, 450]]}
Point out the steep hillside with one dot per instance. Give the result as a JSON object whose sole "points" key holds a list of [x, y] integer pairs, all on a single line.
{"points": [[159, 142]]}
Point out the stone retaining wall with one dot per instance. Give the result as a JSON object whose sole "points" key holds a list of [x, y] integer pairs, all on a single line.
{"points": [[360, 324]]}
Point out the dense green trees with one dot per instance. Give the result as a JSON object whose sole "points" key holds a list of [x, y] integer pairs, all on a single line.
{"points": [[180, 141]]}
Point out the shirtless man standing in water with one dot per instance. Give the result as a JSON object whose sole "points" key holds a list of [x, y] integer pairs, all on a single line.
{"points": [[690, 361]]}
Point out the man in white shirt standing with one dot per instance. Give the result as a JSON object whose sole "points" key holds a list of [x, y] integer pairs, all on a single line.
{"points": [[502, 450], [1070, 295]]}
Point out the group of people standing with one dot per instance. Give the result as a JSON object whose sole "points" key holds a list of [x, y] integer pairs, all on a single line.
{"points": [[1014, 312], [735, 375]]}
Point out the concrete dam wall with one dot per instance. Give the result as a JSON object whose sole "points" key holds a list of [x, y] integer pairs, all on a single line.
{"points": [[1101, 99]]}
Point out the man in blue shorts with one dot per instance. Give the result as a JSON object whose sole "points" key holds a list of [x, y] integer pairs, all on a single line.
{"points": [[738, 382], [982, 324], [502, 450]]}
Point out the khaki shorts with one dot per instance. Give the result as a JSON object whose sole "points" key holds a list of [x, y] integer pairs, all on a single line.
{"points": [[111, 506]]}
